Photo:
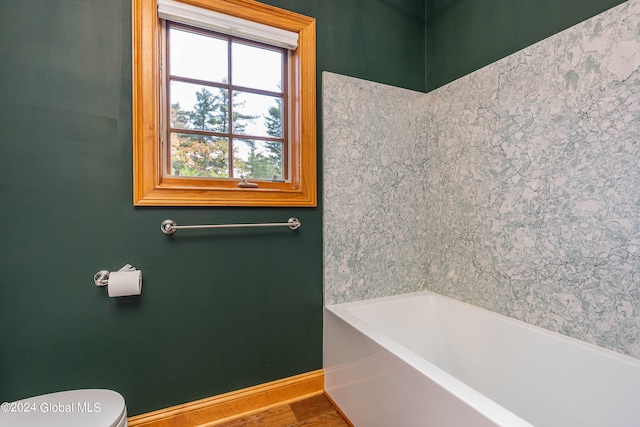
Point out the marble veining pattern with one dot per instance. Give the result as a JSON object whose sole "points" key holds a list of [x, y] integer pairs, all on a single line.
{"points": [[538, 215], [374, 191], [520, 185]]}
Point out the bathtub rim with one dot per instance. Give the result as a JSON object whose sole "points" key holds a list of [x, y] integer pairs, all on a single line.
{"points": [[342, 311], [475, 399], [457, 388]]}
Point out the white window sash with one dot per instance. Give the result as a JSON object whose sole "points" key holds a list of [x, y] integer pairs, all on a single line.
{"points": [[171, 10]]}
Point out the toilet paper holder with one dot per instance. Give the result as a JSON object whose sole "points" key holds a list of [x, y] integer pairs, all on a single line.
{"points": [[101, 278]]}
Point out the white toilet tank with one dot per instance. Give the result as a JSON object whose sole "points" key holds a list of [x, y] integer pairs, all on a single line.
{"points": [[90, 408]]}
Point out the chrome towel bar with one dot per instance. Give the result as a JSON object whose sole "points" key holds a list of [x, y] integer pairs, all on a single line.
{"points": [[169, 226]]}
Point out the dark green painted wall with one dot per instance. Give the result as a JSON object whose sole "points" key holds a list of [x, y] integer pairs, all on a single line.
{"points": [[465, 35], [219, 310], [377, 40]]}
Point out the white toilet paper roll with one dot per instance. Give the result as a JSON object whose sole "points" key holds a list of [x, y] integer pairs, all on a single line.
{"points": [[125, 283]]}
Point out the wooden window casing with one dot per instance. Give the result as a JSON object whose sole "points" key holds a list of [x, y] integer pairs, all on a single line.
{"points": [[152, 187]]}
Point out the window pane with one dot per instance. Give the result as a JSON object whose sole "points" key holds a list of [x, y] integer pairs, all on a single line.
{"points": [[258, 159], [256, 67], [199, 107], [257, 115], [199, 155], [197, 56]]}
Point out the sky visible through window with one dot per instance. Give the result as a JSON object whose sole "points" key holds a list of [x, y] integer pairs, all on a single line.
{"points": [[203, 60], [202, 57]]}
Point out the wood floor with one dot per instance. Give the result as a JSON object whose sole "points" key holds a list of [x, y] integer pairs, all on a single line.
{"points": [[311, 412]]}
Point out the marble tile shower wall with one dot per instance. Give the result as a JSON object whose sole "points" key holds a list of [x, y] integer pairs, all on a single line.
{"points": [[515, 188], [374, 189]]}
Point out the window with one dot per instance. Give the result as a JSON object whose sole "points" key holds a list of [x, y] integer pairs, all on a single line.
{"points": [[225, 109], [232, 124]]}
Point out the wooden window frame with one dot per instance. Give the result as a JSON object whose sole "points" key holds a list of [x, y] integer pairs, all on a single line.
{"points": [[150, 187]]}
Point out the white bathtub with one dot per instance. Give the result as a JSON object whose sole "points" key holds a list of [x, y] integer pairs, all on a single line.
{"points": [[422, 359]]}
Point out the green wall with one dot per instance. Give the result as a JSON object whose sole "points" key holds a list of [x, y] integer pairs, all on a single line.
{"points": [[465, 35], [377, 40], [220, 310]]}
